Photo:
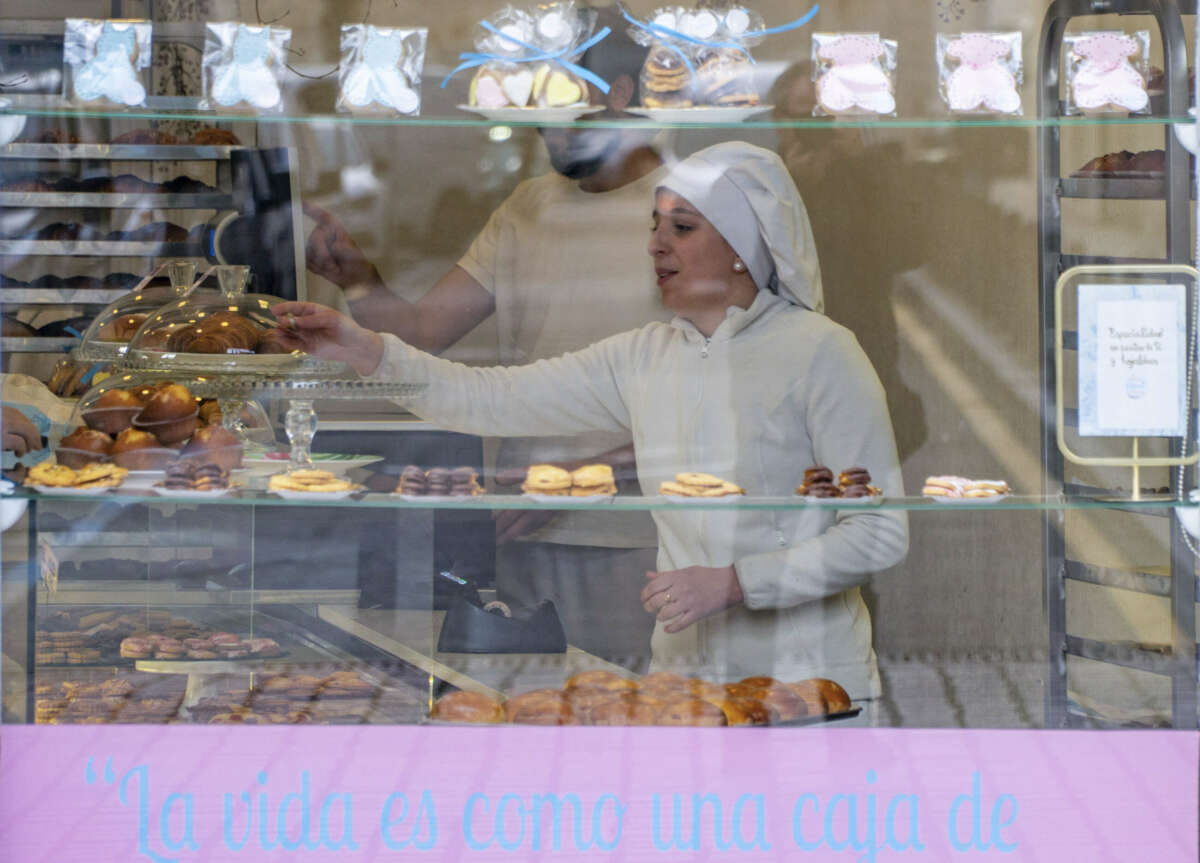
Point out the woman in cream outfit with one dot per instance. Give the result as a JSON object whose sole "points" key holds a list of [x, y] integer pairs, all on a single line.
{"points": [[750, 382]]}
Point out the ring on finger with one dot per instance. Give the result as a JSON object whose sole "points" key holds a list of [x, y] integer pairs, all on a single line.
{"points": [[291, 321]]}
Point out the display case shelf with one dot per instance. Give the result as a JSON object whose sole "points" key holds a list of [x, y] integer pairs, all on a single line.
{"points": [[181, 108], [1151, 583], [116, 152], [126, 201], [1118, 188], [98, 249], [61, 296], [35, 344], [140, 493], [1152, 659]]}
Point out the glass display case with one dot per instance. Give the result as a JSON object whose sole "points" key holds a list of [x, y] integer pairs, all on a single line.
{"points": [[286, 574]]}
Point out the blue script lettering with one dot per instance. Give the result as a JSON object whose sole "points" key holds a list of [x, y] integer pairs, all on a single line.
{"points": [[695, 841], [142, 772], [426, 814], [545, 813], [977, 840]]}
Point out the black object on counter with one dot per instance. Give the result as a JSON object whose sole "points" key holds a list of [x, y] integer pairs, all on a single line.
{"points": [[469, 629]]}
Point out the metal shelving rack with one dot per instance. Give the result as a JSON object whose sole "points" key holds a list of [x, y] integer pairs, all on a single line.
{"points": [[37, 155], [1178, 582]]}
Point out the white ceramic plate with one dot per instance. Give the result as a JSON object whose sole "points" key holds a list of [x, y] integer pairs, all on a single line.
{"points": [[288, 494], [432, 498], [837, 502], [532, 115], [567, 499], [970, 501], [678, 498], [701, 115], [336, 463], [191, 492], [68, 491]]}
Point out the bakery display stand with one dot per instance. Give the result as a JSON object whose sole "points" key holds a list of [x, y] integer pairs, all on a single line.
{"points": [[1176, 582]]}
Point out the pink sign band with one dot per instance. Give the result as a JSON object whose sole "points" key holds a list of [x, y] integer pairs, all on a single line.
{"points": [[511, 793]]}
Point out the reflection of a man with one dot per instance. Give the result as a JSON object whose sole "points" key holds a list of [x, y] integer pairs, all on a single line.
{"points": [[560, 266]]}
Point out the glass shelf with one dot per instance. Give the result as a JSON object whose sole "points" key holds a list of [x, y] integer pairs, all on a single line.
{"points": [[1156, 505], [465, 119]]}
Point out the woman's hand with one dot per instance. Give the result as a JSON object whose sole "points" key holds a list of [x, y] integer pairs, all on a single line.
{"points": [[680, 597], [20, 434], [327, 333]]}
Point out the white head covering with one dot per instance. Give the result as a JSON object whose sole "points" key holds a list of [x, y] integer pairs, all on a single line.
{"points": [[748, 195]]}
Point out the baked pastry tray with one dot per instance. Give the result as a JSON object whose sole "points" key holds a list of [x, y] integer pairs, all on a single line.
{"points": [[802, 722]]}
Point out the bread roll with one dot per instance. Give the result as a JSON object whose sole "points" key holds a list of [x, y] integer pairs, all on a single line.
{"points": [[83, 446], [810, 693], [121, 328], [739, 710], [114, 411], [135, 449], [625, 710], [215, 444], [690, 712], [665, 681], [467, 707], [786, 704], [601, 680], [540, 707], [835, 697]]}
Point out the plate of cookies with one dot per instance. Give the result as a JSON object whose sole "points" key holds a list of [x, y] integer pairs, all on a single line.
{"points": [[438, 484], [851, 487], [702, 115], [512, 114], [694, 487], [964, 490], [311, 484], [190, 479], [91, 479], [591, 483]]}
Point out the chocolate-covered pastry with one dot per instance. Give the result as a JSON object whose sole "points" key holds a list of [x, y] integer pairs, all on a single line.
{"points": [[820, 489], [209, 477], [179, 475], [818, 473], [438, 481], [854, 476], [857, 490], [413, 481], [464, 482]]}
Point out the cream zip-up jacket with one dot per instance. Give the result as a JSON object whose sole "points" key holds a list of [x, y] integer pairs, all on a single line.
{"points": [[776, 389]]}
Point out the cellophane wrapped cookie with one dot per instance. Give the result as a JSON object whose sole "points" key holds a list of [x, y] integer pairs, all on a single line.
{"points": [[725, 74], [511, 79], [105, 61], [380, 72], [668, 76], [1106, 72], [854, 74], [980, 73], [242, 66]]}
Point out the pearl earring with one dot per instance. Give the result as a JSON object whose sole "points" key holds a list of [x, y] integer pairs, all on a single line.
{"points": [[738, 266]]}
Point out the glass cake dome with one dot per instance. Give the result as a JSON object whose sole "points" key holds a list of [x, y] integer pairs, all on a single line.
{"points": [[107, 339], [144, 421], [220, 332]]}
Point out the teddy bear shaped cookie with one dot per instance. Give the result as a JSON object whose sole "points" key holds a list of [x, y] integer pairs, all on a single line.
{"points": [[981, 79], [854, 79], [1106, 80]]}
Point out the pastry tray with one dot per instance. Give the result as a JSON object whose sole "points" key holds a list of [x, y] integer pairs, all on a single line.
{"points": [[802, 722]]}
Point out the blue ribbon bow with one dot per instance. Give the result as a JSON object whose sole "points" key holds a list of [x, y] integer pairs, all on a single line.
{"points": [[472, 59], [674, 35]]}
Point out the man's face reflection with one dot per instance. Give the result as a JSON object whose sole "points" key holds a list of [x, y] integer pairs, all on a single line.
{"points": [[581, 153]]}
